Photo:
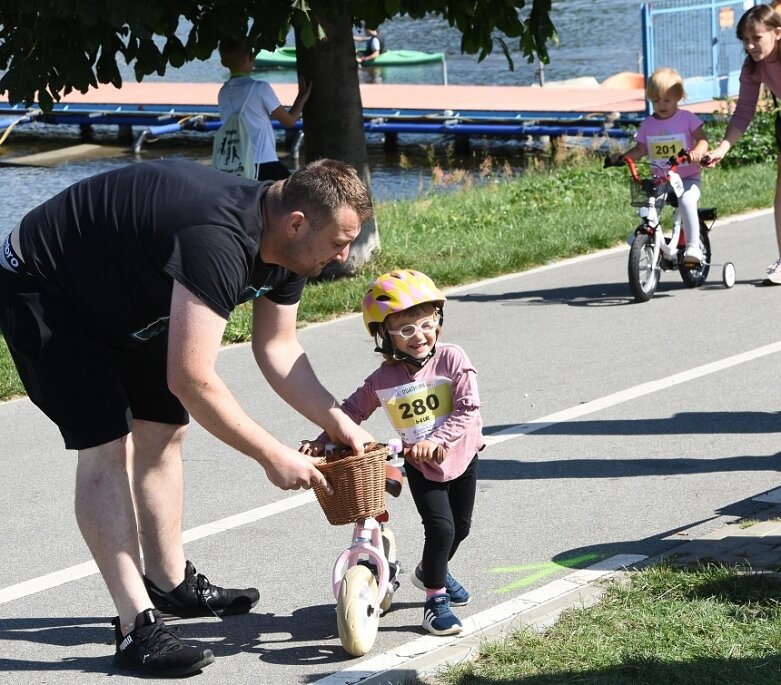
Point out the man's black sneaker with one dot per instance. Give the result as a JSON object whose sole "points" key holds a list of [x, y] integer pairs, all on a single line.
{"points": [[195, 596], [153, 648]]}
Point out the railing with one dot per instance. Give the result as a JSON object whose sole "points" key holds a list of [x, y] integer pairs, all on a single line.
{"points": [[697, 38]]}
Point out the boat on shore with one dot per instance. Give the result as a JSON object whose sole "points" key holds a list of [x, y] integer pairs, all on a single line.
{"points": [[285, 58]]}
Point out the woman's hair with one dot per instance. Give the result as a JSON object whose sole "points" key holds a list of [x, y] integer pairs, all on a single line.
{"points": [[762, 15], [665, 81]]}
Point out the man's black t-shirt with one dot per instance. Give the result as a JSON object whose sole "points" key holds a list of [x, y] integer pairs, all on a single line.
{"points": [[113, 244]]}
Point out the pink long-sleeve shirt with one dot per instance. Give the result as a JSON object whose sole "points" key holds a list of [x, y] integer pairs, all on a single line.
{"points": [[768, 73], [418, 405]]}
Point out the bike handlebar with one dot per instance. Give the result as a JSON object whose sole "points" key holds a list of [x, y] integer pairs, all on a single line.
{"points": [[674, 161]]}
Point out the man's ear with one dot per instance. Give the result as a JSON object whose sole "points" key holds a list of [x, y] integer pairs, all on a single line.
{"points": [[295, 225]]}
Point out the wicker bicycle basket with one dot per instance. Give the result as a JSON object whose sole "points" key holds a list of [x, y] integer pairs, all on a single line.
{"points": [[358, 484], [641, 193]]}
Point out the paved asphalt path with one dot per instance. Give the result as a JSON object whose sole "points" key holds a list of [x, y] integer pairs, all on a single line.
{"points": [[614, 428]]}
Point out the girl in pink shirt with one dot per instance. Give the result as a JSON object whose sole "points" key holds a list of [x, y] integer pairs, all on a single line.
{"points": [[664, 134], [429, 393], [760, 30]]}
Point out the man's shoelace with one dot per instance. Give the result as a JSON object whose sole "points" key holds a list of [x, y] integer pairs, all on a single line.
{"points": [[165, 641]]}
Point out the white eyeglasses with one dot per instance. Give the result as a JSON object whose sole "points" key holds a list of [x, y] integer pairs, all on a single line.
{"points": [[407, 331]]}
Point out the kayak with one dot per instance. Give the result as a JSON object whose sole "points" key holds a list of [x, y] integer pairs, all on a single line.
{"points": [[285, 58]]}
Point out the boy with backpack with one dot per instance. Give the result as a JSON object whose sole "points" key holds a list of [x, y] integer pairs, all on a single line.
{"points": [[245, 144]]}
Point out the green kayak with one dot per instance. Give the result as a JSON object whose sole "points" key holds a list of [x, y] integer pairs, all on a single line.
{"points": [[285, 58]]}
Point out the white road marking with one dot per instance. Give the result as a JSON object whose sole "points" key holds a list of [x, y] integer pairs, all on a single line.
{"points": [[67, 575], [630, 394], [72, 573]]}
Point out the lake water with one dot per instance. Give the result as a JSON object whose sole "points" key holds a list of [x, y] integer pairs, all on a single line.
{"points": [[596, 38]]}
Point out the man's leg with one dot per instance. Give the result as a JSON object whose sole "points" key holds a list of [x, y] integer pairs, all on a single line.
{"points": [[173, 584], [158, 491], [107, 520]]}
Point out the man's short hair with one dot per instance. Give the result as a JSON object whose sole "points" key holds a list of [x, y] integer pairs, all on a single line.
{"points": [[321, 188]]}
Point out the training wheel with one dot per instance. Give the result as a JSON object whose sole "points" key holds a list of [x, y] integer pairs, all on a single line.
{"points": [[728, 275]]}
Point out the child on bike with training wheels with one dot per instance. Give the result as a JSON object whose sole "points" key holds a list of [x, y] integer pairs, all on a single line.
{"points": [[429, 393], [664, 134]]}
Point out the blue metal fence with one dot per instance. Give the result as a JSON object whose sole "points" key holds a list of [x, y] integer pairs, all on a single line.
{"points": [[697, 38]]}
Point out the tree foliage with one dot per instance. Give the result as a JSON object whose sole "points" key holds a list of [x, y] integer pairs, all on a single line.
{"points": [[50, 47]]}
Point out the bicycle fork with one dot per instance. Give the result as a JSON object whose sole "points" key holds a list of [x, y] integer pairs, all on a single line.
{"points": [[367, 541]]}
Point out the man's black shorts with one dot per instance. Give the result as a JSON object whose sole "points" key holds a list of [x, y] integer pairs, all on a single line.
{"points": [[89, 389]]}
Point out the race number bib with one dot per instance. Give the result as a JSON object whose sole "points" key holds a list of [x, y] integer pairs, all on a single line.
{"points": [[416, 409], [661, 148]]}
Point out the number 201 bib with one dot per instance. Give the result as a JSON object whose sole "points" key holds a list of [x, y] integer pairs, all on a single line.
{"points": [[661, 148], [416, 409]]}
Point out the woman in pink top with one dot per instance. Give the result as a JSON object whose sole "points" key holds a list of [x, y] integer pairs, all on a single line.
{"points": [[429, 393], [664, 134], [760, 30]]}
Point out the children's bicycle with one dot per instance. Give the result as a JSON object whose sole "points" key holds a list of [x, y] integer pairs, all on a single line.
{"points": [[651, 251], [365, 575]]}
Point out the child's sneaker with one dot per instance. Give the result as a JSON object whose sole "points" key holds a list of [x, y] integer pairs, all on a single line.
{"points": [[151, 647], [438, 619], [195, 596], [692, 256], [457, 594]]}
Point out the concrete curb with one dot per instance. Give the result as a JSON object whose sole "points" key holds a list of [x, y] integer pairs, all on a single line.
{"points": [[538, 609]]}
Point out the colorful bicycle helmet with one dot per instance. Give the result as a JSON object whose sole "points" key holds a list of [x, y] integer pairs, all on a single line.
{"points": [[396, 291]]}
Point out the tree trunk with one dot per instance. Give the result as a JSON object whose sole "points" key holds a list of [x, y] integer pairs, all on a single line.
{"points": [[333, 120]]}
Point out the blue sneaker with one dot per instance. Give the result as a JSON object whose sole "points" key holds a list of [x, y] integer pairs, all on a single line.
{"points": [[459, 596], [438, 619]]}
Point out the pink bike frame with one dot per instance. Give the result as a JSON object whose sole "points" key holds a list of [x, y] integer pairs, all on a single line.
{"points": [[367, 541]]}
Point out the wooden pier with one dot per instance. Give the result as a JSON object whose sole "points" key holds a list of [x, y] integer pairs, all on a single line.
{"points": [[160, 108]]}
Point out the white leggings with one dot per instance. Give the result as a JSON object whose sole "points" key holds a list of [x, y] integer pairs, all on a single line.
{"points": [[688, 206]]}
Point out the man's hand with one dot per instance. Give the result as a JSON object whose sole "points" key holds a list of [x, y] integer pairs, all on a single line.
{"points": [[346, 432], [290, 470]]}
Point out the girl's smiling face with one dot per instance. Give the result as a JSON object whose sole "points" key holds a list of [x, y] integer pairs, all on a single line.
{"points": [[414, 332]]}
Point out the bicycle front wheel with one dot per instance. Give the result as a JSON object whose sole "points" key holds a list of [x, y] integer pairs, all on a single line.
{"points": [[356, 616], [643, 270]]}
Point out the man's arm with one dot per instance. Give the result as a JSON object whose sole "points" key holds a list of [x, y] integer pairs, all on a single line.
{"points": [[284, 364], [194, 340]]}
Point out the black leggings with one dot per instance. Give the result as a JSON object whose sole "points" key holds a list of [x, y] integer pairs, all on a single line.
{"points": [[446, 513]]}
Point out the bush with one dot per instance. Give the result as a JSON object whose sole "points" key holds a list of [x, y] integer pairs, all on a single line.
{"points": [[758, 143]]}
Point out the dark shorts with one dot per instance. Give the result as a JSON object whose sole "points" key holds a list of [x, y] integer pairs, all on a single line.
{"points": [[91, 390]]}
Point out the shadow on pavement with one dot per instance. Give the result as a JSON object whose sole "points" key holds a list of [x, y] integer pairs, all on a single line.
{"points": [[589, 295], [682, 423]]}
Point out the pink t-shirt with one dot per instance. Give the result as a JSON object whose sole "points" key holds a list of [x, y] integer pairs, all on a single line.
{"points": [[439, 402], [664, 138], [767, 72]]}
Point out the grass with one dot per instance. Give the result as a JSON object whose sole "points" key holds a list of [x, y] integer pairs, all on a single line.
{"points": [[707, 625], [494, 224]]}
